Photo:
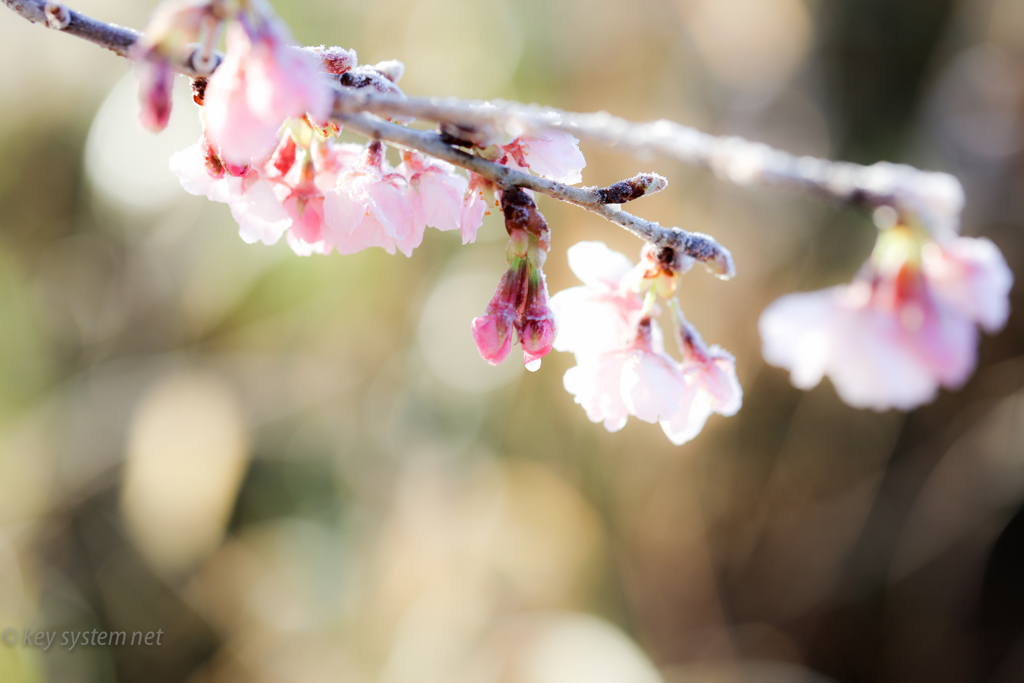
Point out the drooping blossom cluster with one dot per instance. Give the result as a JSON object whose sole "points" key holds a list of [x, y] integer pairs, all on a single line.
{"points": [[268, 147], [520, 304], [327, 195], [905, 326], [622, 368]]}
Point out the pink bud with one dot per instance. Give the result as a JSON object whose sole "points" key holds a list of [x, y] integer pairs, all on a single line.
{"points": [[155, 83], [539, 335], [537, 326], [492, 333]]}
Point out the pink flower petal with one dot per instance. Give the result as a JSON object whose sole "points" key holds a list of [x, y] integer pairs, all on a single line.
{"points": [[260, 216], [689, 419], [156, 80], [190, 166], [471, 217], [877, 357], [555, 155], [597, 386], [971, 275], [591, 323], [652, 385], [441, 194], [597, 266]]}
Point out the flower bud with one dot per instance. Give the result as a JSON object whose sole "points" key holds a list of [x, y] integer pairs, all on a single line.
{"points": [[155, 83], [368, 77], [537, 335], [713, 255], [640, 185], [537, 323], [492, 331]]}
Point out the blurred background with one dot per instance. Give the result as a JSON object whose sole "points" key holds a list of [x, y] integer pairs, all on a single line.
{"points": [[300, 470]]}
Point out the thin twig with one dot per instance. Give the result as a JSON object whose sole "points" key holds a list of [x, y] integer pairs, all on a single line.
{"points": [[111, 36], [117, 39]]}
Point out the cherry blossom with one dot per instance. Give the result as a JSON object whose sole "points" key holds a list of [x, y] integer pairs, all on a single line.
{"points": [[252, 201], [902, 329], [286, 193], [536, 326], [907, 325], [169, 35], [155, 83], [521, 300], [297, 184], [262, 82], [622, 368], [328, 195]]}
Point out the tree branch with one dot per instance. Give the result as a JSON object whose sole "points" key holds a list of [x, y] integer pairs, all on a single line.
{"points": [[695, 245], [936, 198], [111, 36], [730, 158], [701, 247], [117, 39]]}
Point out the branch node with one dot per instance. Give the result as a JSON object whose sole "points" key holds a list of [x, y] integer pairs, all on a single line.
{"points": [[203, 61], [57, 16]]}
